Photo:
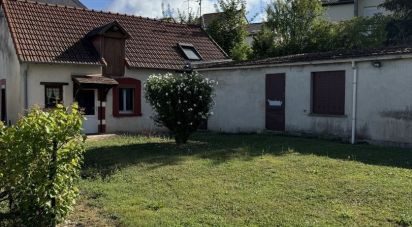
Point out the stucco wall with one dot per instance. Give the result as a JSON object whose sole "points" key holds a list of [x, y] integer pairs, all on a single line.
{"points": [[384, 101], [240, 100], [142, 123], [38, 73], [10, 70], [339, 12], [365, 4]]}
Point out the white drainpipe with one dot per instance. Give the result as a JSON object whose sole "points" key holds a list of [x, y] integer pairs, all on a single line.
{"points": [[354, 100]]}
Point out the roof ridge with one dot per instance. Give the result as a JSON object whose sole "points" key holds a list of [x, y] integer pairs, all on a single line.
{"points": [[102, 11]]}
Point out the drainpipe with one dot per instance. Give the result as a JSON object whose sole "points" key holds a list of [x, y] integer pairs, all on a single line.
{"points": [[354, 101], [356, 8]]}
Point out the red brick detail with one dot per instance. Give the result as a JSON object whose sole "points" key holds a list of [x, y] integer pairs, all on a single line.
{"points": [[128, 83], [102, 113], [102, 128]]}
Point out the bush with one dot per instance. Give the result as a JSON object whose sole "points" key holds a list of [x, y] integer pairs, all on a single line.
{"points": [[181, 102], [42, 156]]}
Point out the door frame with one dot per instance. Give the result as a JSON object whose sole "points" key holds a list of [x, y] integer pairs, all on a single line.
{"points": [[96, 107], [282, 127], [3, 101]]}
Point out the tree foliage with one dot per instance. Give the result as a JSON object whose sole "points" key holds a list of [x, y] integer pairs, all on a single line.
{"points": [[181, 102], [40, 161], [400, 26], [229, 30], [298, 26]]}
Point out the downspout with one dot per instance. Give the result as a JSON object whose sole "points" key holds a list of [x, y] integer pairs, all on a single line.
{"points": [[356, 8], [354, 101]]}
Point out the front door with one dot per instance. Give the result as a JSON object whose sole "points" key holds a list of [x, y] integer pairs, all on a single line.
{"points": [[275, 102], [87, 100]]}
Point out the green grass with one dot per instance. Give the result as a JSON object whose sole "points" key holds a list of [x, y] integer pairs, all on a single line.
{"points": [[253, 180]]}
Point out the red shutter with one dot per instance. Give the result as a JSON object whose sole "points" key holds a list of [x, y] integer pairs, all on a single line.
{"points": [[128, 83]]}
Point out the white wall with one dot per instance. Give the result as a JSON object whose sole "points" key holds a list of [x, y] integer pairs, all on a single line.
{"points": [[10, 70], [240, 100], [142, 123], [55, 73], [384, 98], [341, 12]]}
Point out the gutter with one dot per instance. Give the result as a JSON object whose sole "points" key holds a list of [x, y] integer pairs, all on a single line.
{"points": [[354, 101], [320, 62]]}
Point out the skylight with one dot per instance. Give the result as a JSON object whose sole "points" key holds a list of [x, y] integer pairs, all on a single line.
{"points": [[190, 52]]}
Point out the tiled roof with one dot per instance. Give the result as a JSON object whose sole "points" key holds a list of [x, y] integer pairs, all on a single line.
{"points": [[73, 3], [322, 56], [56, 34], [94, 79]]}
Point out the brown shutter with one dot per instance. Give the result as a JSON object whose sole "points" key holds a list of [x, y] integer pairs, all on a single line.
{"points": [[328, 95]]}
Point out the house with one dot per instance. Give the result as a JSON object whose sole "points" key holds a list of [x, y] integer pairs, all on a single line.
{"points": [[101, 60], [358, 95], [339, 10], [73, 3], [98, 59]]}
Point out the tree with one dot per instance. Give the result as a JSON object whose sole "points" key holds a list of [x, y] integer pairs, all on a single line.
{"points": [[229, 29], [289, 27], [41, 156], [400, 27], [181, 102]]}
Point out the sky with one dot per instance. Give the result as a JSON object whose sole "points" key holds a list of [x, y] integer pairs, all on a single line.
{"points": [[153, 9]]}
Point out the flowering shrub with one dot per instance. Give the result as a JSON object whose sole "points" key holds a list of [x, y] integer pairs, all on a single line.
{"points": [[41, 157], [181, 102]]}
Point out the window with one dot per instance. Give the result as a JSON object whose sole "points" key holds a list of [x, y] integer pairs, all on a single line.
{"points": [[190, 51], [328, 93], [126, 96]]}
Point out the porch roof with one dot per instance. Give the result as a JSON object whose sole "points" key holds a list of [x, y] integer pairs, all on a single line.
{"points": [[97, 79]]}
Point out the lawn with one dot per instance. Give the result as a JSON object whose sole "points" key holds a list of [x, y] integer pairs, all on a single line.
{"points": [[238, 180]]}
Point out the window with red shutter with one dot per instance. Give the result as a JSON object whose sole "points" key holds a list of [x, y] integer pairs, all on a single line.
{"points": [[328, 93], [127, 98]]}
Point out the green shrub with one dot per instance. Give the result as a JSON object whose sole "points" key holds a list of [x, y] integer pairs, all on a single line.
{"points": [[42, 155], [181, 102]]}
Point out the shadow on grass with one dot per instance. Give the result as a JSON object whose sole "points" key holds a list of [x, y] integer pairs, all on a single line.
{"points": [[223, 147]]}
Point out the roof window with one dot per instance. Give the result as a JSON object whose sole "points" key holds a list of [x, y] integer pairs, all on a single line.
{"points": [[190, 51]]}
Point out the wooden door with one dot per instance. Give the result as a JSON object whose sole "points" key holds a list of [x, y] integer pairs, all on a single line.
{"points": [[275, 102]]}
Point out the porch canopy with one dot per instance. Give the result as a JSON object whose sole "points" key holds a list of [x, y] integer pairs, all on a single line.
{"points": [[94, 81], [97, 81]]}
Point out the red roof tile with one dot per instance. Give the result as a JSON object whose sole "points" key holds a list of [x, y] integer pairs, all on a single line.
{"points": [[57, 34]]}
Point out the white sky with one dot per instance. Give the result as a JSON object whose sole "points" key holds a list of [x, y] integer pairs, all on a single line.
{"points": [[152, 8]]}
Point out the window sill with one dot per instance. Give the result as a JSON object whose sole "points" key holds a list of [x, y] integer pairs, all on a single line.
{"points": [[327, 115], [120, 115]]}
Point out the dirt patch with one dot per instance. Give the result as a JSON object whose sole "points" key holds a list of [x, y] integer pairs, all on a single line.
{"points": [[84, 215]]}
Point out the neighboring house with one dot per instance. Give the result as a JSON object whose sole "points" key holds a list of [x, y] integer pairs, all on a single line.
{"points": [[73, 3], [339, 10], [361, 93], [53, 54]]}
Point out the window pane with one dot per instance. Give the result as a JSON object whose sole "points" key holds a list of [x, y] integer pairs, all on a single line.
{"points": [[129, 99], [191, 53], [126, 99], [53, 96]]}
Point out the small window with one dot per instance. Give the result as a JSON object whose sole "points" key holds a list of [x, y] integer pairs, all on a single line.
{"points": [[328, 93], [190, 52], [126, 100], [53, 95]]}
